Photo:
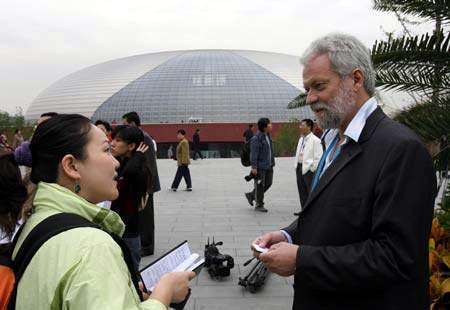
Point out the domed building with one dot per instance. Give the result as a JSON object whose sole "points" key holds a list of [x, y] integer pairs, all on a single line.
{"points": [[218, 91]]}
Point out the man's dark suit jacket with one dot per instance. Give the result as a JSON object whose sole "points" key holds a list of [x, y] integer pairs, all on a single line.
{"points": [[363, 233]]}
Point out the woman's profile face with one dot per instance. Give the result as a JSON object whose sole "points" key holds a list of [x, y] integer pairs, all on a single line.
{"points": [[99, 170]]}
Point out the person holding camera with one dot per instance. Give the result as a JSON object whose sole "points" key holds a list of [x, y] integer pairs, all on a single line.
{"points": [[262, 162]]}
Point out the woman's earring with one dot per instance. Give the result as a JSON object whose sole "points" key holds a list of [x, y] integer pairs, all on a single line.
{"points": [[77, 188]]}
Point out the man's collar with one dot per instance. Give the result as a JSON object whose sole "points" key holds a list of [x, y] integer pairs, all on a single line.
{"points": [[356, 126]]}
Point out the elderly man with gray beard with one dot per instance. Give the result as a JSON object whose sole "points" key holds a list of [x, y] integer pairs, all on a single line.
{"points": [[361, 240]]}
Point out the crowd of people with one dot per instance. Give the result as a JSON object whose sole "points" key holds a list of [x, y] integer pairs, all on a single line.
{"points": [[74, 167], [359, 241]]}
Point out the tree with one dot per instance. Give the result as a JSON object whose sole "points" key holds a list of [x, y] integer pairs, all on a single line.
{"points": [[286, 140], [421, 64], [418, 64]]}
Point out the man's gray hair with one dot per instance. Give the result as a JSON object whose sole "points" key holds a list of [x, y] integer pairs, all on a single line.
{"points": [[346, 53]]}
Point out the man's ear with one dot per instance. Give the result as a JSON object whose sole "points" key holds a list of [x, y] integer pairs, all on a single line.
{"points": [[358, 79], [69, 167]]}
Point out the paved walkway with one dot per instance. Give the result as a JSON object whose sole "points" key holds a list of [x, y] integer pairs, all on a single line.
{"points": [[217, 207]]}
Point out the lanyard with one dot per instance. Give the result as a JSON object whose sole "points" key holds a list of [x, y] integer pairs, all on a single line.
{"points": [[302, 147], [323, 160]]}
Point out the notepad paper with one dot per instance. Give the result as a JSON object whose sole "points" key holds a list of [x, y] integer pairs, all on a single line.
{"points": [[178, 259]]}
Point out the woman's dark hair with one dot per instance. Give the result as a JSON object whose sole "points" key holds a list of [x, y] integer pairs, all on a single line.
{"points": [[182, 131], [13, 194], [49, 114], [104, 123], [263, 123], [55, 138], [17, 130]]}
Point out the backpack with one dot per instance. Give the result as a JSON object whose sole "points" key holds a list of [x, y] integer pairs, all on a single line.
{"points": [[11, 271], [245, 154]]}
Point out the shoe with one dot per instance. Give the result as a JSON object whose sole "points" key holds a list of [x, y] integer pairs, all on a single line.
{"points": [[249, 198], [189, 189], [260, 209], [173, 189]]}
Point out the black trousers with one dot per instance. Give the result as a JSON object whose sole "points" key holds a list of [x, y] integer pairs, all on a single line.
{"points": [[261, 184], [182, 172], [197, 151], [303, 183], [147, 227]]}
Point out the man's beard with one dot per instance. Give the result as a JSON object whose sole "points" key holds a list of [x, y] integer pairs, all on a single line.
{"points": [[337, 109]]}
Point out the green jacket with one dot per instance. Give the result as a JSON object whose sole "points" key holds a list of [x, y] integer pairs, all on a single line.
{"points": [[183, 153], [82, 268]]}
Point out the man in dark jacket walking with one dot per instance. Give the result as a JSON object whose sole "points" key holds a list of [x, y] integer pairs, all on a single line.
{"points": [[196, 144], [262, 161], [146, 216]]}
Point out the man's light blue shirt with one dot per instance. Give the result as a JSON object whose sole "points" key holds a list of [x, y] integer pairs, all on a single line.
{"points": [[354, 128]]}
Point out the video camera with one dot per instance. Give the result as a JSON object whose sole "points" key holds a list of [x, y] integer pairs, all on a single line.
{"points": [[218, 265], [249, 177]]}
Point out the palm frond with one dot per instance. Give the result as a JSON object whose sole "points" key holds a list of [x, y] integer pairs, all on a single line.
{"points": [[298, 101], [426, 49], [419, 63], [430, 120], [427, 9]]}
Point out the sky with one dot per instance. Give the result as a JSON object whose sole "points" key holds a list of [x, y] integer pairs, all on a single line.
{"points": [[45, 40]]}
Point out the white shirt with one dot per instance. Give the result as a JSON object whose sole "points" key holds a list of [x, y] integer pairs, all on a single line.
{"points": [[354, 128], [309, 151]]}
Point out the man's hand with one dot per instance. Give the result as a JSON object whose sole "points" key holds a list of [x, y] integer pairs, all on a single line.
{"points": [[142, 147], [254, 171], [268, 239], [281, 258]]}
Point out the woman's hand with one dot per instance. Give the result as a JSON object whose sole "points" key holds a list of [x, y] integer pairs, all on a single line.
{"points": [[145, 295], [142, 147], [173, 287]]}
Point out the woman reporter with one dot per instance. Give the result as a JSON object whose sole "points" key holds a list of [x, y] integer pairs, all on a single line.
{"points": [[81, 268]]}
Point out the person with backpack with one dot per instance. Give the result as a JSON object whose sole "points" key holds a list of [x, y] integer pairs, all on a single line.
{"points": [[13, 194], [262, 162], [79, 259]]}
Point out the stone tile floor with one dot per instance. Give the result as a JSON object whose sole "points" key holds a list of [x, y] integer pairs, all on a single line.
{"points": [[217, 207]]}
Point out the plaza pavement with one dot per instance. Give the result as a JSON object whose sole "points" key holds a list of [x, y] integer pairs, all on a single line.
{"points": [[217, 207]]}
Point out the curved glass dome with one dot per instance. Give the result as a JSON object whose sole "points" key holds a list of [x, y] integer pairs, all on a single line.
{"points": [[174, 87]]}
